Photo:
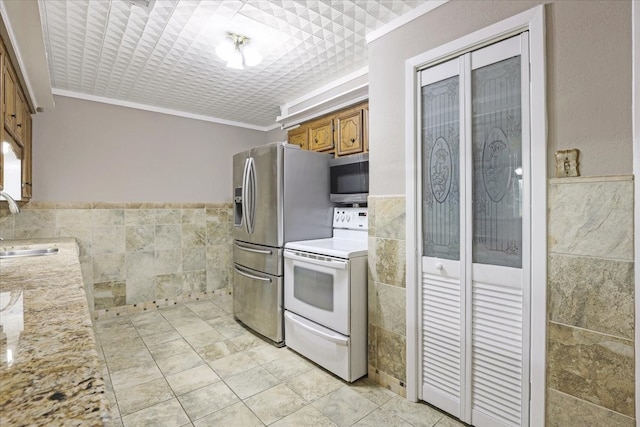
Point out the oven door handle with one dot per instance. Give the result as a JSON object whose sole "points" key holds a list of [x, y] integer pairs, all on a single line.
{"points": [[337, 264], [340, 340], [252, 276]]}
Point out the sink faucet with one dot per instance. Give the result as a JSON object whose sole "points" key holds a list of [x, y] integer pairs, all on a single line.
{"points": [[13, 206]]}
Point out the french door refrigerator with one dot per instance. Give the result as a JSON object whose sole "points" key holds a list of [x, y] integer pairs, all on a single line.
{"points": [[280, 194]]}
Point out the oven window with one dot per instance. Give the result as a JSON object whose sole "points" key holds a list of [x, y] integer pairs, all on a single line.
{"points": [[313, 288]]}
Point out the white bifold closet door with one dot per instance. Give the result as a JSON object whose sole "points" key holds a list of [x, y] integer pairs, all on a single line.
{"points": [[475, 234]]}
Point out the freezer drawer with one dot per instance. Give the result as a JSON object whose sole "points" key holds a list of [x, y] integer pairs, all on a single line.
{"points": [[257, 302], [258, 257]]}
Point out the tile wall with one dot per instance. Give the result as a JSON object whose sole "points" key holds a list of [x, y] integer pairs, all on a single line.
{"points": [[387, 292], [590, 354], [137, 255]]}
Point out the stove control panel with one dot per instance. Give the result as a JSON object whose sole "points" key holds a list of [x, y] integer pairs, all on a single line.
{"points": [[351, 218]]}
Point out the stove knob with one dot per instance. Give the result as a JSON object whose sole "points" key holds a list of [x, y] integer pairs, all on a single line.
{"points": [[348, 218]]}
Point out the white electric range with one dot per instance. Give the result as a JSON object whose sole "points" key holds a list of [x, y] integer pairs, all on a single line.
{"points": [[325, 296]]}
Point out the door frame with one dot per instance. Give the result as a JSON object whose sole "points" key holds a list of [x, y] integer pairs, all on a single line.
{"points": [[635, 114], [533, 21]]}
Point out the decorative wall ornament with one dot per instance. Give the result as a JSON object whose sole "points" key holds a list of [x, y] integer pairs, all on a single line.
{"points": [[567, 163]]}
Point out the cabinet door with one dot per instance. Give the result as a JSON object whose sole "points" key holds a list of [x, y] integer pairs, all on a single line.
{"points": [[365, 128], [9, 99], [321, 135], [299, 137], [350, 127], [21, 113], [2, 90], [26, 155]]}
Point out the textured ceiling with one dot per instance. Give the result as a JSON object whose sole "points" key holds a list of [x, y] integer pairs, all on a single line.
{"points": [[164, 56]]}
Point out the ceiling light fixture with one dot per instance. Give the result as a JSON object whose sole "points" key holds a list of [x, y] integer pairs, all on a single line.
{"points": [[237, 51]]}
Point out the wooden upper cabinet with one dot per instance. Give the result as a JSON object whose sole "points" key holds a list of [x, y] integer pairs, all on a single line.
{"points": [[343, 132], [2, 67], [299, 137], [27, 157], [9, 98], [321, 134], [21, 115], [350, 127]]}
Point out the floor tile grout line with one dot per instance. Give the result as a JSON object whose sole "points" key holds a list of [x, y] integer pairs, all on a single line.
{"points": [[260, 362]]}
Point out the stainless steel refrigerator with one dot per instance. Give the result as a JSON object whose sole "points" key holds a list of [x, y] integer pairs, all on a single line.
{"points": [[281, 194]]}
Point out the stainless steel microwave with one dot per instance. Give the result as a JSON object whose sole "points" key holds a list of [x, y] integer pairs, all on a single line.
{"points": [[349, 178]]}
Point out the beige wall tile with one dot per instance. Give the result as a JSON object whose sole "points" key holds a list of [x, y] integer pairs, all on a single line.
{"points": [[217, 233], [108, 267], [169, 285], [218, 278], [390, 261], [140, 264], [591, 293], [140, 289], [168, 216], [168, 261], [168, 237], [193, 235], [194, 259], [139, 216], [194, 281], [390, 217], [73, 217], [193, 216], [591, 366], [139, 238], [391, 301], [593, 218], [107, 240], [567, 411], [35, 219], [107, 217], [391, 354]]}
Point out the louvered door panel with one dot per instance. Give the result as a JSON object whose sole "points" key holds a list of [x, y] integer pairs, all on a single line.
{"points": [[497, 345], [441, 342]]}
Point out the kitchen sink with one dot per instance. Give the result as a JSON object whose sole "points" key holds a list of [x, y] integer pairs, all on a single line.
{"points": [[16, 253]]}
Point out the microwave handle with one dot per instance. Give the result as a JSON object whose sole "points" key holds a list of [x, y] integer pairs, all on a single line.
{"points": [[329, 337], [330, 263]]}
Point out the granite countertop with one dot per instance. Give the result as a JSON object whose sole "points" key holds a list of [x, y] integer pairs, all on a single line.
{"points": [[49, 368]]}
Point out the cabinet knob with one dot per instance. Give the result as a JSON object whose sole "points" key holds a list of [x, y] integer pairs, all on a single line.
{"points": [[352, 140], [19, 125], [13, 116], [439, 266]]}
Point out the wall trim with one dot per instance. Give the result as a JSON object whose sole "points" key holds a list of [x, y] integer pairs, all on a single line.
{"points": [[154, 109], [404, 19], [346, 98], [532, 20], [635, 119]]}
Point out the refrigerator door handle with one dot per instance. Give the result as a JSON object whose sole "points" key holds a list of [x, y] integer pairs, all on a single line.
{"points": [[253, 187], [257, 251], [245, 198], [252, 276]]}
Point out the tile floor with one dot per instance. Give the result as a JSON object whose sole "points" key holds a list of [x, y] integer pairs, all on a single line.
{"points": [[194, 365]]}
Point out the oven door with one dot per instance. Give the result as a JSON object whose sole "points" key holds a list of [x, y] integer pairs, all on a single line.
{"points": [[317, 287]]}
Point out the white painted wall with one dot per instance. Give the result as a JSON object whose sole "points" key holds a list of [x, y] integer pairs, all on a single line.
{"points": [[89, 151], [588, 86]]}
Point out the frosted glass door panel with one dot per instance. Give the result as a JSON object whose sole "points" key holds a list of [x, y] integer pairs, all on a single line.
{"points": [[440, 169], [497, 164]]}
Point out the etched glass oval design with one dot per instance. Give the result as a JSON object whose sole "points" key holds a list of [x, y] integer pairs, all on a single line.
{"points": [[496, 165], [440, 168]]}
